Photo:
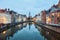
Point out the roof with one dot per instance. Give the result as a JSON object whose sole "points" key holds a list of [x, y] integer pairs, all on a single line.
{"points": [[54, 8], [2, 10]]}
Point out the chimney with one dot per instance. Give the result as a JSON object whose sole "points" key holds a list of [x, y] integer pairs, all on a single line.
{"points": [[8, 9], [5, 9]]}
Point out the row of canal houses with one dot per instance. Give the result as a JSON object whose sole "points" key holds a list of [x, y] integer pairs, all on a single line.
{"points": [[10, 16], [50, 16]]}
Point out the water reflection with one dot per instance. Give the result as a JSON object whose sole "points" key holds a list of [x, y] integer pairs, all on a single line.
{"points": [[27, 34], [5, 35], [28, 31], [48, 34], [29, 23]]}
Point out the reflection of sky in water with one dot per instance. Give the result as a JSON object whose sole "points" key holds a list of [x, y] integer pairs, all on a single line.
{"points": [[26, 34]]}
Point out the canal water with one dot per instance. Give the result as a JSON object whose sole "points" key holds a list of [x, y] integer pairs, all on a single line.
{"points": [[25, 32]]}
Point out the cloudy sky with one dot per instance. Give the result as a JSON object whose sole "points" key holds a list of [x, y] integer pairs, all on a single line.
{"points": [[26, 6]]}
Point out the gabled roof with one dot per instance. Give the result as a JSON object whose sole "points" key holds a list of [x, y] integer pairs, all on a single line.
{"points": [[54, 8], [12, 12]]}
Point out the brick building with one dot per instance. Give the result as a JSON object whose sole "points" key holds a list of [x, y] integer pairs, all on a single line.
{"points": [[43, 18], [52, 15]]}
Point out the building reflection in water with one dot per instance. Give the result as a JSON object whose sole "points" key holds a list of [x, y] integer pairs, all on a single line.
{"points": [[48, 34], [29, 23], [5, 35]]}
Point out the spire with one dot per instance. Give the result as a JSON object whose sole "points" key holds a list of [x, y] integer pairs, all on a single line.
{"points": [[29, 14]]}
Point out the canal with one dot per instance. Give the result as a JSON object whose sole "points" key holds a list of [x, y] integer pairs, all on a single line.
{"points": [[28, 31]]}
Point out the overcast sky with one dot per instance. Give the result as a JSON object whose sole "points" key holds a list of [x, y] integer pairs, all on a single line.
{"points": [[26, 6]]}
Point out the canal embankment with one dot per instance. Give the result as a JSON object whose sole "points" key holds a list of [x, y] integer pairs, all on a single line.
{"points": [[55, 29]]}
